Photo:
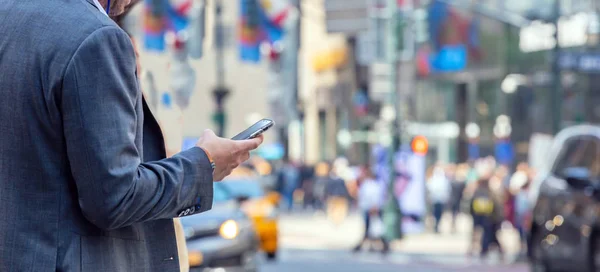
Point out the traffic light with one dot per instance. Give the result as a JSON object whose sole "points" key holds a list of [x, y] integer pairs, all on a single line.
{"points": [[219, 117], [419, 145]]}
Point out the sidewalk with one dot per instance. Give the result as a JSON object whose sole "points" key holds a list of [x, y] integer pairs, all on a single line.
{"points": [[315, 232], [453, 243]]}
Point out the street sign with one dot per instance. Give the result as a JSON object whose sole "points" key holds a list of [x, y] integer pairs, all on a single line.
{"points": [[381, 81], [346, 16], [568, 60], [345, 137], [539, 36], [582, 62], [589, 63], [365, 48]]}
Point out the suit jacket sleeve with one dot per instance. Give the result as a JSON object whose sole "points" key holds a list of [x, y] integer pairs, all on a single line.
{"points": [[102, 117]]}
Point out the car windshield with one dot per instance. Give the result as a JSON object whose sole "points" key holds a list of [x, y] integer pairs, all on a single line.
{"points": [[232, 189]]}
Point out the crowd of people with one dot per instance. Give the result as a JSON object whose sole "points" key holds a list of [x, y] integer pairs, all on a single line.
{"points": [[488, 192]]}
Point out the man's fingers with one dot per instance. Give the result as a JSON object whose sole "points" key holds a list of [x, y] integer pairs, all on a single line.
{"points": [[251, 144]]}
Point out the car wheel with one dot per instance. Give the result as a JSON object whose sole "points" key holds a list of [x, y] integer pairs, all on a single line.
{"points": [[536, 260], [271, 256]]}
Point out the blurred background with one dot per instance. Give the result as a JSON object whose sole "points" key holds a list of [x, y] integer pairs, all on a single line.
{"points": [[408, 132]]}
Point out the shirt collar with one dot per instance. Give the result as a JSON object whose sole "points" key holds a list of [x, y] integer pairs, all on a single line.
{"points": [[100, 7]]}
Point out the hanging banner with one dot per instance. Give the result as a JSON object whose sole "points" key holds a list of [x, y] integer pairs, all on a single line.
{"points": [[250, 34], [473, 151], [262, 21], [453, 41], [162, 16], [504, 152]]}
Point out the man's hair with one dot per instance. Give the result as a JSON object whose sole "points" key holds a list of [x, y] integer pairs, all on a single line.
{"points": [[120, 19]]}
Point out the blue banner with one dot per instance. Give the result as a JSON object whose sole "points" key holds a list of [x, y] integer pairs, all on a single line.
{"points": [[450, 58], [504, 152], [474, 151]]}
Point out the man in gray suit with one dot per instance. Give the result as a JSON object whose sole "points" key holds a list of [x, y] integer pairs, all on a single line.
{"points": [[84, 183]]}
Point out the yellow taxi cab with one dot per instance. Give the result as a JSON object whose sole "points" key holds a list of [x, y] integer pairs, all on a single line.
{"points": [[260, 206]]}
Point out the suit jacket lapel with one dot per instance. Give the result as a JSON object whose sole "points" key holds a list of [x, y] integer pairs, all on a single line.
{"points": [[154, 142]]}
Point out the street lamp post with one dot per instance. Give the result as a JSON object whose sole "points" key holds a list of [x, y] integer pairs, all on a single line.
{"points": [[555, 108], [593, 39], [384, 16], [220, 92]]}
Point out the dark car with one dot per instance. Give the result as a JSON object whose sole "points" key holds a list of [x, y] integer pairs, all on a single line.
{"points": [[564, 234], [223, 237]]}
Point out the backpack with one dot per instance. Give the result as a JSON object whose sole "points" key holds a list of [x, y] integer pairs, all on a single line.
{"points": [[482, 204]]}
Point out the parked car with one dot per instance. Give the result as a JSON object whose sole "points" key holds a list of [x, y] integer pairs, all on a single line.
{"points": [[259, 206], [564, 234], [223, 237]]}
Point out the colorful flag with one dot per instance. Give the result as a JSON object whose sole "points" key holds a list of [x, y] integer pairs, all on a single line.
{"points": [[162, 16], [261, 21], [250, 33]]}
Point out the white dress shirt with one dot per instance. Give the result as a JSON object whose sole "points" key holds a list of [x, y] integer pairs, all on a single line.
{"points": [[100, 7]]}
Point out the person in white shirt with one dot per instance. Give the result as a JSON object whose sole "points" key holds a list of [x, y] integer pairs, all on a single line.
{"points": [[370, 202], [439, 188]]}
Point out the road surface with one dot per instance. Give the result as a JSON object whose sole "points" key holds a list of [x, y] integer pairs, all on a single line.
{"points": [[344, 261], [310, 243]]}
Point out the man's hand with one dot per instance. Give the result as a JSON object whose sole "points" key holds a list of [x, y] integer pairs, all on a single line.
{"points": [[227, 154]]}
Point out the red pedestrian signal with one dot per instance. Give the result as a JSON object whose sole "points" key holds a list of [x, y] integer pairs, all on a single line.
{"points": [[419, 145]]}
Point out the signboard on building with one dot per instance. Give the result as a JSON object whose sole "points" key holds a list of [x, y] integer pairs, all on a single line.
{"points": [[539, 36], [582, 62], [346, 16]]}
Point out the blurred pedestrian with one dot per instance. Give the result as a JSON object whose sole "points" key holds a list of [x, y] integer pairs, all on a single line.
{"points": [[439, 189], [337, 196], [321, 178], [502, 181], [519, 185], [472, 174], [522, 214], [474, 171], [288, 180], [488, 205], [519, 177], [458, 177], [307, 180], [370, 203]]}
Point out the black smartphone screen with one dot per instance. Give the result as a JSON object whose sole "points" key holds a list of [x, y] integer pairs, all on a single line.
{"points": [[254, 130]]}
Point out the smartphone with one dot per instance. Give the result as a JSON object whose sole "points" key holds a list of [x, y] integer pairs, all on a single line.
{"points": [[255, 130]]}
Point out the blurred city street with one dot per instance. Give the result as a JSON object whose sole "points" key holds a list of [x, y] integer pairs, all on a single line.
{"points": [[311, 243]]}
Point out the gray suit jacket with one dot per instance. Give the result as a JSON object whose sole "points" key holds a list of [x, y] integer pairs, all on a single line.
{"points": [[84, 185]]}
